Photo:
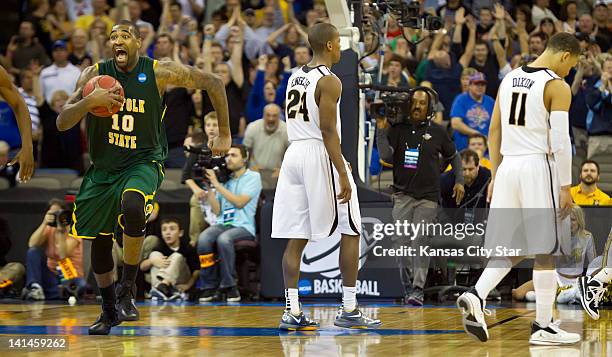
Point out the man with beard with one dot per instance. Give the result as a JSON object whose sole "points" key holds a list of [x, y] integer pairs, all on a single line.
{"points": [[586, 192], [266, 139], [415, 147], [127, 153]]}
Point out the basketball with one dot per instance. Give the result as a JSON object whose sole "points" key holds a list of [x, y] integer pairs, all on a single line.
{"points": [[106, 82]]}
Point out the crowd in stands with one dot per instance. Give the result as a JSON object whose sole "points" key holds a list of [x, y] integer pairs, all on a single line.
{"points": [[254, 46]]}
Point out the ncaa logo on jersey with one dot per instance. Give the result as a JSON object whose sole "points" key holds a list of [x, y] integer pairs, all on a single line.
{"points": [[142, 77]]}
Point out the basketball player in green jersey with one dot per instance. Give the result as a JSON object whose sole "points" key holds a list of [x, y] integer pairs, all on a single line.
{"points": [[11, 96], [127, 151]]}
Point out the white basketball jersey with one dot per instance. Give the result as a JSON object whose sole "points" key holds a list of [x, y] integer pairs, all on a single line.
{"points": [[301, 109], [524, 118]]}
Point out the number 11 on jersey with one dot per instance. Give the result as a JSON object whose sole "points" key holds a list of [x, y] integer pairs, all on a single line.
{"points": [[520, 121]]}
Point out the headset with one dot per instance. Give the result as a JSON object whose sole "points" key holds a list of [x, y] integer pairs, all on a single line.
{"points": [[433, 99]]}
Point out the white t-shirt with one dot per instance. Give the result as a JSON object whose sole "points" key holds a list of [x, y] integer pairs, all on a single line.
{"points": [[55, 78]]}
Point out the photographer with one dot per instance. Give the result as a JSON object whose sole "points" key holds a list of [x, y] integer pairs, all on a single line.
{"points": [[415, 146], [235, 204], [54, 258], [200, 213]]}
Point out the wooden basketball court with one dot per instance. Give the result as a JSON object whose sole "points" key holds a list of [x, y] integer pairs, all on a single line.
{"points": [[251, 330]]}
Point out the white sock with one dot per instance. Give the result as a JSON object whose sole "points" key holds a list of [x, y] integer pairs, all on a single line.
{"points": [[495, 271], [545, 285], [292, 302], [349, 298], [604, 275]]}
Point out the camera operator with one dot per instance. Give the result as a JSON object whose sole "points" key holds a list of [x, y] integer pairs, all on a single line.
{"points": [[54, 258], [235, 204], [415, 146], [200, 213]]}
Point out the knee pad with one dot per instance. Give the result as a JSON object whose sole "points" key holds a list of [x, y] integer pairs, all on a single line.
{"points": [[132, 208], [102, 255]]}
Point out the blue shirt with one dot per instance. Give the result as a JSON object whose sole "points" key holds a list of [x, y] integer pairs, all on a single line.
{"points": [[247, 184], [9, 131], [474, 114]]}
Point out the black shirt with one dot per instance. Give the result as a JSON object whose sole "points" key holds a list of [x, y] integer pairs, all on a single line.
{"points": [[77, 61], [491, 72], [236, 101], [475, 195], [186, 250], [178, 116], [424, 181]]}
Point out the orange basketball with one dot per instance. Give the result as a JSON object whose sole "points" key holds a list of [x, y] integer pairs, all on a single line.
{"points": [[106, 82]]}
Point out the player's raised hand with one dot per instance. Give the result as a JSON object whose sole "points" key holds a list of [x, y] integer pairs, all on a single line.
{"points": [[345, 189], [565, 202], [220, 145], [25, 157]]}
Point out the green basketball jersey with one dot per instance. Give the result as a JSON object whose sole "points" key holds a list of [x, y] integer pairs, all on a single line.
{"points": [[134, 134]]}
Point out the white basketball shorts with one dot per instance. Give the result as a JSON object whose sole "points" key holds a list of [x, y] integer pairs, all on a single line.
{"points": [[305, 203], [524, 207]]}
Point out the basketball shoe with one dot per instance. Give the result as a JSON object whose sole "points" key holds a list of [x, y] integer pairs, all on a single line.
{"points": [[472, 308]]}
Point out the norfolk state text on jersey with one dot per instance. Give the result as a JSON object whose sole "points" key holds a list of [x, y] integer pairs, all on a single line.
{"points": [[132, 105]]}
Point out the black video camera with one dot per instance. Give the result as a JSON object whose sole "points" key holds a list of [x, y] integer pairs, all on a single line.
{"points": [[408, 14], [63, 218], [393, 107], [206, 161]]}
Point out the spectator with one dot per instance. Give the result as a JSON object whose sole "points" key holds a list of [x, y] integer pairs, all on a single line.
{"points": [[489, 65], [465, 78], [80, 56], [192, 8], [164, 46], [395, 76], [471, 112], [99, 8], [173, 263], [599, 101], [586, 25], [11, 273], [451, 8], [173, 21], [272, 19], [78, 8], [569, 16], [301, 56], [8, 173], [522, 14], [265, 92], [252, 43], [485, 22], [415, 147], [601, 16], [540, 10], [547, 26], [53, 255], [38, 17], [30, 91], [476, 181], [235, 204], [266, 139], [587, 193], [478, 144], [294, 36], [537, 44], [443, 70], [200, 212], [59, 22], [25, 49], [59, 149], [61, 75], [135, 13]]}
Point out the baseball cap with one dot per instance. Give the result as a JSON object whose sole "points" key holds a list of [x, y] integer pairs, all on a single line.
{"points": [[59, 44], [478, 77], [603, 3]]}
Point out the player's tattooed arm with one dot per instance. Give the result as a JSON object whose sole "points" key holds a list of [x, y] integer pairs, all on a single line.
{"points": [[176, 74]]}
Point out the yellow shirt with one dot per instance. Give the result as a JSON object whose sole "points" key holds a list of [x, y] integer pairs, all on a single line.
{"points": [[597, 198], [85, 21]]}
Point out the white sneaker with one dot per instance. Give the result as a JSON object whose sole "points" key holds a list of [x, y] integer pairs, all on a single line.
{"points": [[472, 308], [552, 335]]}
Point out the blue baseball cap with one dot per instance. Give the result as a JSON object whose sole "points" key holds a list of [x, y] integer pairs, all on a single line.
{"points": [[59, 44], [478, 77]]}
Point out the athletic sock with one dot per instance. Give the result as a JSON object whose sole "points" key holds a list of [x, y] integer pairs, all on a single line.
{"points": [[492, 275], [604, 275], [349, 298], [128, 276], [108, 297], [545, 285], [292, 302]]}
